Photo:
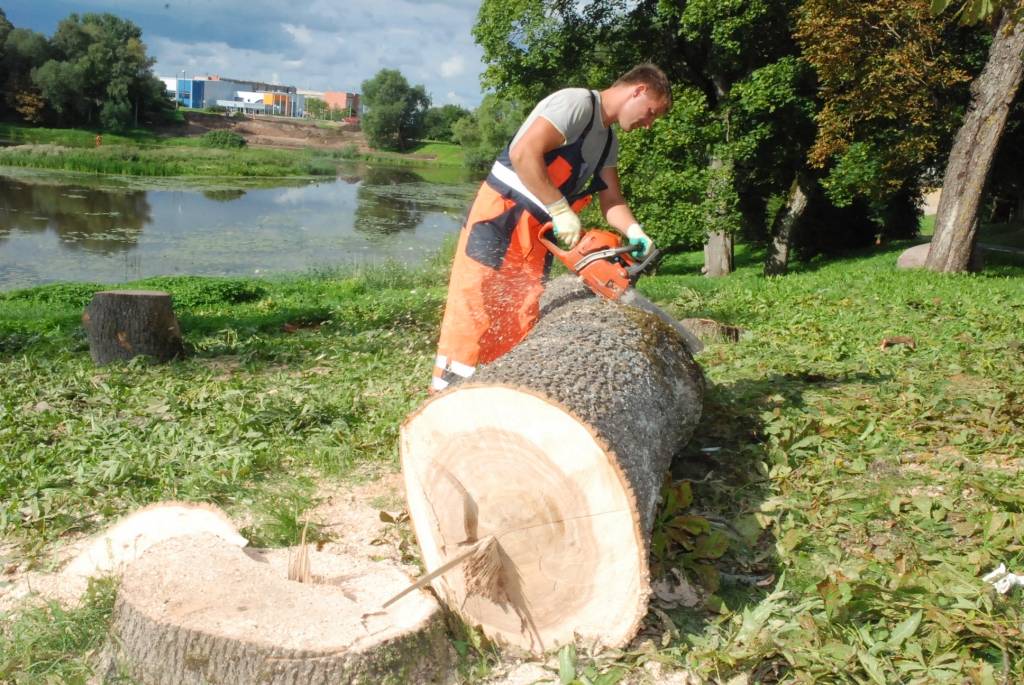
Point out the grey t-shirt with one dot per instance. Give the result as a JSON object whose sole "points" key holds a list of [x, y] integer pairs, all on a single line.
{"points": [[569, 110]]}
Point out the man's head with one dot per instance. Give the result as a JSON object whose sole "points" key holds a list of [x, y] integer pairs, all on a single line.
{"points": [[646, 96]]}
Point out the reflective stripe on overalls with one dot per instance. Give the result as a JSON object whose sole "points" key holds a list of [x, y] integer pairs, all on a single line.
{"points": [[500, 267]]}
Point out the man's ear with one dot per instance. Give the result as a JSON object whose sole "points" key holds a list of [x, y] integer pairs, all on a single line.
{"points": [[639, 89]]}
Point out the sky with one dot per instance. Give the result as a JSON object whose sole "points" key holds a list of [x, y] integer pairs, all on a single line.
{"points": [[315, 44]]}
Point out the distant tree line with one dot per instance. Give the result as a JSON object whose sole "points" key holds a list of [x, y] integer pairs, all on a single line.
{"points": [[93, 71]]}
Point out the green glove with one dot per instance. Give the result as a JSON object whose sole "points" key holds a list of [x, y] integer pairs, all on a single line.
{"points": [[636, 236]]}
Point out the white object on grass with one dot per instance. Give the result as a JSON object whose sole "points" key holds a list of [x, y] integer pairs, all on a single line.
{"points": [[1002, 580]]}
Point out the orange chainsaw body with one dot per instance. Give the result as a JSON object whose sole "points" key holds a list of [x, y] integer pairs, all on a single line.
{"points": [[600, 260]]}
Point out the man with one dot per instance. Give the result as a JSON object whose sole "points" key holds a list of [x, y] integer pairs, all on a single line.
{"points": [[563, 153]]}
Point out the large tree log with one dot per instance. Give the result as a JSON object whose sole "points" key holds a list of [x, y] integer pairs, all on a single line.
{"points": [[193, 611], [121, 324], [557, 451]]}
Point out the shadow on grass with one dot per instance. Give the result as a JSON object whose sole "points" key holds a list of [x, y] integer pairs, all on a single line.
{"points": [[727, 462]]}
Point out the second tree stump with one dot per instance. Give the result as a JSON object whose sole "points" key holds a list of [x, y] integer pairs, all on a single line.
{"points": [[122, 324]]}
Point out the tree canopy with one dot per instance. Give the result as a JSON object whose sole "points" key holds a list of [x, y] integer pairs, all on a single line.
{"points": [[395, 110], [94, 70]]}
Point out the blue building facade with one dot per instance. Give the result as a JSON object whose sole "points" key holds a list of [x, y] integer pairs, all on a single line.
{"points": [[190, 92]]}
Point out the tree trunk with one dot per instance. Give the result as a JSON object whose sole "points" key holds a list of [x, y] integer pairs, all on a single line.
{"points": [[777, 261], [718, 248], [124, 323], [718, 255], [195, 610], [556, 451], [974, 148]]}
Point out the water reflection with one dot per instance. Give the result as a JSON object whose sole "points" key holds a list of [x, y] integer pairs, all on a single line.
{"points": [[383, 209], [109, 229], [83, 218], [226, 195]]}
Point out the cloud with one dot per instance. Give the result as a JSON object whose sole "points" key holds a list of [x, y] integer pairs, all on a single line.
{"points": [[320, 44], [453, 66]]}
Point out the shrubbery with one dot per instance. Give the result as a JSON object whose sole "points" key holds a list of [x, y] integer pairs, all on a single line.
{"points": [[223, 139]]}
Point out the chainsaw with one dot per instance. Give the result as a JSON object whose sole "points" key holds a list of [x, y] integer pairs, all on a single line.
{"points": [[608, 268]]}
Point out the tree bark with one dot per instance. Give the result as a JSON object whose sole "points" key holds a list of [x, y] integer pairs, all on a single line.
{"points": [[195, 610], [974, 148], [777, 261], [718, 255], [122, 324], [718, 249], [557, 450]]}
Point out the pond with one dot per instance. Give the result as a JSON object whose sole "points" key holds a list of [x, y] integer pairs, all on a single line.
{"points": [[77, 227]]}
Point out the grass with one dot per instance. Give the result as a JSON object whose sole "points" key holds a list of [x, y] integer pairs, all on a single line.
{"points": [[843, 500], [174, 160], [143, 153]]}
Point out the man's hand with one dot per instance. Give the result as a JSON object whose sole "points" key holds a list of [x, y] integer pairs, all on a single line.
{"points": [[566, 223], [636, 236]]}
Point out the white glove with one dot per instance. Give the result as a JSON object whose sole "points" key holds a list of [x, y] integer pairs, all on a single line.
{"points": [[636, 236], [567, 224]]}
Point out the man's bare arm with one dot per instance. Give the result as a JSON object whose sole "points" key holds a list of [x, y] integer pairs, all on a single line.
{"points": [[613, 205], [528, 158]]}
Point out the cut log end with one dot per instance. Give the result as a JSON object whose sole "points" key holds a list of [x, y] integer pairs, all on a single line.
{"points": [[567, 549]]}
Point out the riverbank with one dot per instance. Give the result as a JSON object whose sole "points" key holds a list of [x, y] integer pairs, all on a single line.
{"points": [[275, 148], [847, 499]]}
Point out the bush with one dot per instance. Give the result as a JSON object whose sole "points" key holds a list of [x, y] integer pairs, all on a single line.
{"points": [[349, 151], [73, 295], [196, 291], [238, 114], [223, 139], [215, 109]]}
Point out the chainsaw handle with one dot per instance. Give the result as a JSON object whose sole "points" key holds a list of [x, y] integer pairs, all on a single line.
{"points": [[550, 245], [650, 261]]}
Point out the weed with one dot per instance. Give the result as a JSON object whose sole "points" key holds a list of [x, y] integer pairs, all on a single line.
{"points": [[50, 644]]}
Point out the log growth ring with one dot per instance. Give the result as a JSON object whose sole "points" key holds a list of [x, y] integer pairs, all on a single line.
{"points": [[525, 469]]}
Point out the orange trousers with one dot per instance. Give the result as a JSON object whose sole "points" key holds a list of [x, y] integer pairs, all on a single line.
{"points": [[496, 283]]}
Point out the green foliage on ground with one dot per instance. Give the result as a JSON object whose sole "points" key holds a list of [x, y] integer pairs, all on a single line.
{"points": [[181, 158], [223, 139], [53, 644], [834, 512]]}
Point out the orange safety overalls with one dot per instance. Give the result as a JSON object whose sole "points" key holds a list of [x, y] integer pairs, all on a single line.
{"points": [[500, 267]]}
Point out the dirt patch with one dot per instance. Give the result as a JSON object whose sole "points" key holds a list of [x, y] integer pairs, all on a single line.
{"points": [[274, 132]]}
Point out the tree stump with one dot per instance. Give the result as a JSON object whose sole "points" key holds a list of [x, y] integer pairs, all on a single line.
{"points": [[121, 324], [194, 610], [557, 452]]}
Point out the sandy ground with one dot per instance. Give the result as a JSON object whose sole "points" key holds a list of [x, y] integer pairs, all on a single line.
{"points": [[279, 132]]}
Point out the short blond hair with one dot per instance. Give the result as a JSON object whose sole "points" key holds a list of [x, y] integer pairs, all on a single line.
{"points": [[651, 76]]}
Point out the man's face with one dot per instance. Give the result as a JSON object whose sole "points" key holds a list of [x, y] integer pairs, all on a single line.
{"points": [[641, 109]]}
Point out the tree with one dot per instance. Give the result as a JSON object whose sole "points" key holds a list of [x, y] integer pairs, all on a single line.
{"points": [[99, 73], [893, 87], [317, 108], [742, 119], [977, 141], [22, 51], [395, 110], [438, 121], [491, 126]]}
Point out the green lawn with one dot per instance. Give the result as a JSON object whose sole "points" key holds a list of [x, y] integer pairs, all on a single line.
{"points": [[846, 500], [143, 153]]}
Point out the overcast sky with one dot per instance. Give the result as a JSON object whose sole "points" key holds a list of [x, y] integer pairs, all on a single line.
{"points": [[316, 44]]}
